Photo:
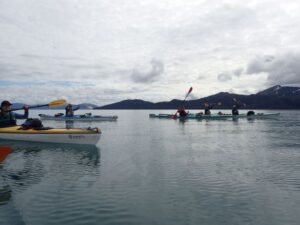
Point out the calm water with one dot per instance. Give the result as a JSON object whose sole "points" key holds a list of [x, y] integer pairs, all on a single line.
{"points": [[155, 171]]}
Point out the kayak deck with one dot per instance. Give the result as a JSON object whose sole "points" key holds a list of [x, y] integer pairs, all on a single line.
{"points": [[54, 135]]}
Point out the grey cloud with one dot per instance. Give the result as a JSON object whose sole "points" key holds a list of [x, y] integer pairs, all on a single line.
{"points": [[238, 72], [258, 64], [151, 76], [282, 69], [224, 77], [216, 20], [110, 39]]}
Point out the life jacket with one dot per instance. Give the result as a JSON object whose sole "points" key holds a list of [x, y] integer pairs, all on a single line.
{"points": [[235, 111], [182, 113], [69, 112], [7, 119]]}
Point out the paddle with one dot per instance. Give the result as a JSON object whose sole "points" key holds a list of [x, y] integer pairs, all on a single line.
{"points": [[55, 103], [190, 90], [239, 102], [4, 151]]}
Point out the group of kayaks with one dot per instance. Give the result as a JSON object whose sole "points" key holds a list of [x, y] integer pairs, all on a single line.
{"points": [[199, 116], [83, 136], [85, 117], [90, 136]]}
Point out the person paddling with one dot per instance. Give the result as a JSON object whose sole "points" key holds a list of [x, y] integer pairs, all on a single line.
{"points": [[209, 106], [9, 118], [70, 110], [237, 105], [182, 112]]}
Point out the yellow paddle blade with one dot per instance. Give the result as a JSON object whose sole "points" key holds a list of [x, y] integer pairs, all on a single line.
{"points": [[57, 103]]}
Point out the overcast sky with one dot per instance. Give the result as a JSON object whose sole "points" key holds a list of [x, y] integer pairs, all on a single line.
{"points": [[103, 51]]}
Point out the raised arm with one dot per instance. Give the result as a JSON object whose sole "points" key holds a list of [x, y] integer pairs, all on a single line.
{"points": [[24, 116]]}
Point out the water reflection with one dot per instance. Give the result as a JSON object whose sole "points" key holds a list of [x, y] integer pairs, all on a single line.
{"points": [[69, 124], [5, 194], [31, 163]]}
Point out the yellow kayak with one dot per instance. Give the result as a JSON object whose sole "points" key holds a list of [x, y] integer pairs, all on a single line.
{"points": [[53, 135]]}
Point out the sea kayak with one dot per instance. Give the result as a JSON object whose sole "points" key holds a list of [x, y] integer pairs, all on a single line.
{"points": [[85, 117], [214, 116], [89, 136]]}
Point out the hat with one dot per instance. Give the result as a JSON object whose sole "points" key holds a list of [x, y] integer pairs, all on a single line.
{"points": [[5, 103]]}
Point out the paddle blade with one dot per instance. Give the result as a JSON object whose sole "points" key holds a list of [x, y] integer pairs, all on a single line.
{"points": [[190, 90], [4, 151], [57, 103]]}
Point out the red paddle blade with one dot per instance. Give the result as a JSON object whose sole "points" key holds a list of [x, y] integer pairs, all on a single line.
{"points": [[4, 151], [190, 90]]}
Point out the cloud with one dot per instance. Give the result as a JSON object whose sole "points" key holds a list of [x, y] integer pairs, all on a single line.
{"points": [[151, 76], [107, 44], [224, 77], [201, 77], [238, 72], [26, 83], [110, 91], [282, 69]]}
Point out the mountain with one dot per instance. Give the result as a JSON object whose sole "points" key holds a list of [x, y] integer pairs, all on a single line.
{"points": [[281, 91], [277, 97], [87, 106], [129, 104]]}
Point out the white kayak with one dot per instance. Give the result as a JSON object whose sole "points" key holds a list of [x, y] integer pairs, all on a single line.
{"points": [[89, 136], [84, 117]]}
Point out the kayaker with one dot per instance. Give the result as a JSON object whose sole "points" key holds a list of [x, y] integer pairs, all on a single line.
{"points": [[209, 106], [182, 112], [237, 105], [70, 110], [9, 118]]}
